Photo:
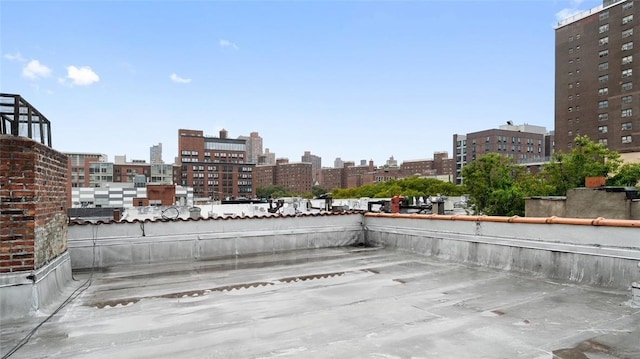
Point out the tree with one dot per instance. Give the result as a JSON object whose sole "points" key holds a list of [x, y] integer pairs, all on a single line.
{"points": [[587, 159], [492, 184], [628, 175], [410, 187], [318, 191], [273, 191]]}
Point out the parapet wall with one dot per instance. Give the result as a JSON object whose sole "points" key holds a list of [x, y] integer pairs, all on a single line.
{"points": [[118, 243], [34, 264], [594, 252], [33, 192], [597, 252]]}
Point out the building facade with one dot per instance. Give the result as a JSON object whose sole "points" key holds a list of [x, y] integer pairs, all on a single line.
{"points": [[215, 167], [293, 177], [267, 158], [155, 154], [254, 146], [597, 78], [316, 163], [78, 165]]}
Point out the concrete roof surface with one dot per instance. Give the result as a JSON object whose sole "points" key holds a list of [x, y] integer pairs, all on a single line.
{"points": [[330, 303]]}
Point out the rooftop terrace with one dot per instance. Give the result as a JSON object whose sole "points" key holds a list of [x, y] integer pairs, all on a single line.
{"points": [[343, 285], [348, 302]]}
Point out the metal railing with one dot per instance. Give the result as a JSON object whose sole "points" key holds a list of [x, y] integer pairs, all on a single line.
{"points": [[19, 118]]}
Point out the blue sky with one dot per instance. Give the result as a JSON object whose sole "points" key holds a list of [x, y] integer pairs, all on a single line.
{"points": [[350, 79]]}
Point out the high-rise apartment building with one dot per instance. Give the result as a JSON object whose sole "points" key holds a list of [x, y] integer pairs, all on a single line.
{"points": [[597, 78], [216, 167], [267, 158], [155, 154], [254, 146], [316, 163]]}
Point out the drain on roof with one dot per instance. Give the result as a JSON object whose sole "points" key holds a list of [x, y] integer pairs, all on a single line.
{"points": [[311, 276]]}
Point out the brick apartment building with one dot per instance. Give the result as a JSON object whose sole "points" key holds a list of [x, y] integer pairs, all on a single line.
{"points": [[215, 167], [597, 78], [523, 143], [440, 165], [293, 177]]}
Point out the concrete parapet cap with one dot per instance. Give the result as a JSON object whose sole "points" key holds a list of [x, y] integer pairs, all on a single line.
{"points": [[600, 221]]}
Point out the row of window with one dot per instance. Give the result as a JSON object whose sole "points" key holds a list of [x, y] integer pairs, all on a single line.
{"points": [[603, 104], [605, 40], [626, 126], [623, 139]]}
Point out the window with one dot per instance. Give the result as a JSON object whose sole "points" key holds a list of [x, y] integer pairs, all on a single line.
{"points": [[627, 19], [570, 97], [627, 6], [603, 91], [603, 53], [603, 28], [604, 15], [604, 78], [603, 141], [627, 33], [603, 116], [627, 86], [627, 73], [603, 66], [626, 126], [626, 113], [577, 36], [627, 46], [627, 59], [570, 62], [604, 40], [602, 129], [627, 99], [570, 38], [570, 73], [603, 104], [626, 139]]}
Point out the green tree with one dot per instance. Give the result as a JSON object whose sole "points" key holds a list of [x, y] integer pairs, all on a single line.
{"points": [[587, 159], [273, 191], [628, 175], [409, 187], [318, 190], [492, 184]]}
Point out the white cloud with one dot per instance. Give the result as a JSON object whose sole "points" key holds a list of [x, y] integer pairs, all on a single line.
{"points": [[35, 69], [15, 57], [569, 11], [227, 43], [178, 79], [82, 76]]}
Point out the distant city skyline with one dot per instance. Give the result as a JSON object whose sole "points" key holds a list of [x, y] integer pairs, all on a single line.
{"points": [[350, 80]]}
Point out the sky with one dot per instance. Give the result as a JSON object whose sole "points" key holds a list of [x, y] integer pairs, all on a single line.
{"points": [[359, 80]]}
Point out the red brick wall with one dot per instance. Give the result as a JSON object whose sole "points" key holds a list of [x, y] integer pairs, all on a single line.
{"points": [[164, 193], [33, 190]]}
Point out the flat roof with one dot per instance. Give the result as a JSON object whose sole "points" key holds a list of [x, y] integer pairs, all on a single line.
{"points": [[349, 302]]}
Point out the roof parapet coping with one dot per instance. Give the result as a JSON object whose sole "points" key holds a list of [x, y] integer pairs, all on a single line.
{"points": [[586, 13]]}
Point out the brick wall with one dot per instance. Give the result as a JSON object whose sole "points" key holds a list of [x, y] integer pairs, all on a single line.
{"points": [[33, 195]]}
